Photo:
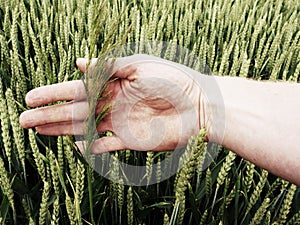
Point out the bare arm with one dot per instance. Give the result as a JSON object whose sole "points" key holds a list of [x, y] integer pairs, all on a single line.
{"points": [[262, 123]]}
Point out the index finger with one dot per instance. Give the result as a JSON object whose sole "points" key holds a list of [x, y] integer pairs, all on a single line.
{"points": [[56, 92]]}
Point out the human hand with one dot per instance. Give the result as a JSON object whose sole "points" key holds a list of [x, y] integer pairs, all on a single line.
{"points": [[154, 103]]}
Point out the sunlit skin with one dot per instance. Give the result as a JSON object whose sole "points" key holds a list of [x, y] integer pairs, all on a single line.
{"points": [[157, 105]]}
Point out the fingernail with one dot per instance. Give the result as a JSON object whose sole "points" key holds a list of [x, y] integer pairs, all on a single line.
{"points": [[32, 99], [23, 120]]}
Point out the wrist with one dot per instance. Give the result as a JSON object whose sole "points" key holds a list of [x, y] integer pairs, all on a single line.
{"points": [[211, 111]]}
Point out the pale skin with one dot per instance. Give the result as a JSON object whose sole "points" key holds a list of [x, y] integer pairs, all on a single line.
{"points": [[157, 105]]}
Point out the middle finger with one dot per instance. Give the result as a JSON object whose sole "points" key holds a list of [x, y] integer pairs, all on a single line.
{"points": [[53, 114]]}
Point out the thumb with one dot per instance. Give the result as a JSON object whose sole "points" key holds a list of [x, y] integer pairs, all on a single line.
{"points": [[126, 67], [82, 64], [102, 145], [122, 67]]}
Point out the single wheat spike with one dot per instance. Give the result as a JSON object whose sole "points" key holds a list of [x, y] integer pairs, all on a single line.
{"points": [[44, 203], [225, 168], [129, 206], [260, 213], [286, 206], [257, 191]]}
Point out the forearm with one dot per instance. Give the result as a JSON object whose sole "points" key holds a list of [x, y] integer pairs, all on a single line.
{"points": [[262, 123]]}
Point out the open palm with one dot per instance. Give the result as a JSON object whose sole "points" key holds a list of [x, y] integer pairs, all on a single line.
{"points": [[154, 105]]}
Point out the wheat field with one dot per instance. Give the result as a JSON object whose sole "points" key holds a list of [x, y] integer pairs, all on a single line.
{"points": [[44, 180]]}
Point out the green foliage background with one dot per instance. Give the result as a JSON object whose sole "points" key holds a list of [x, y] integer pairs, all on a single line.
{"points": [[45, 181]]}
